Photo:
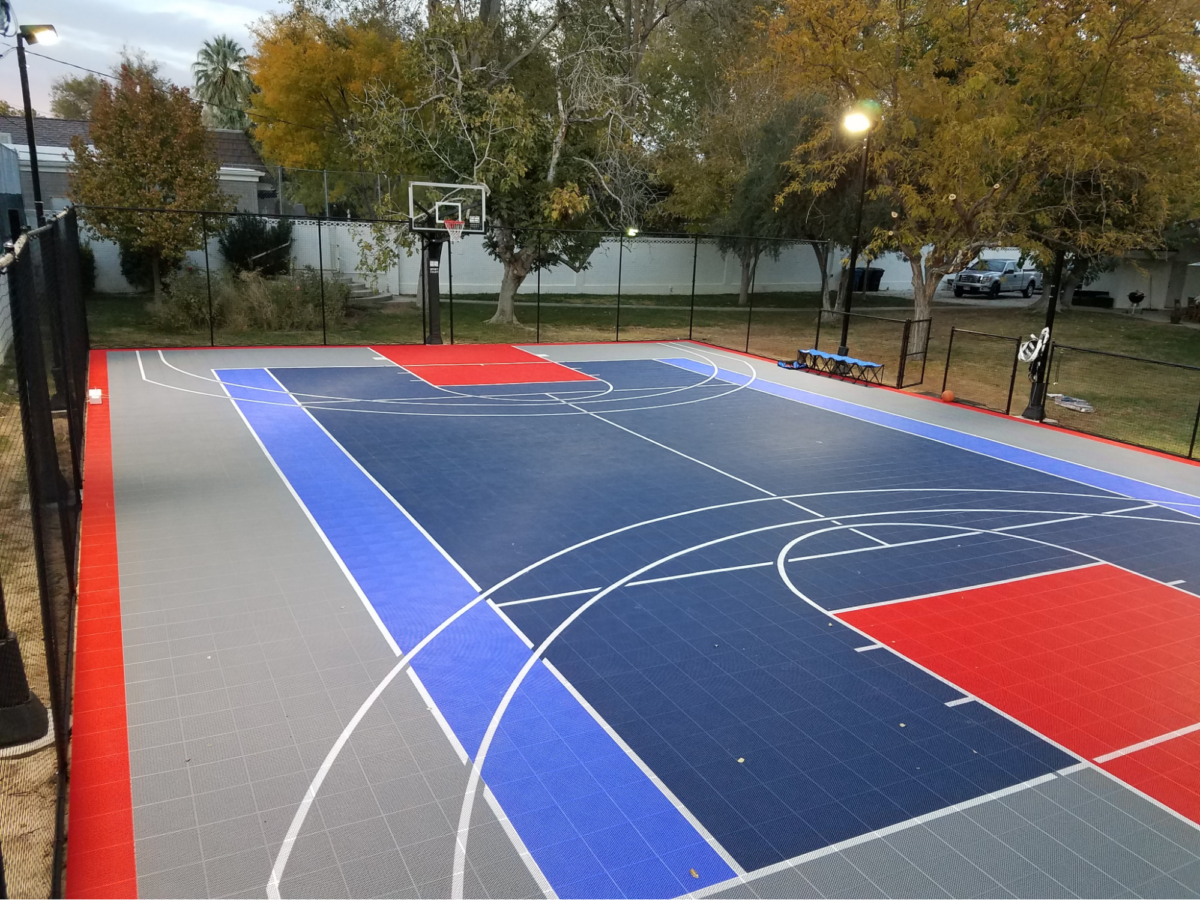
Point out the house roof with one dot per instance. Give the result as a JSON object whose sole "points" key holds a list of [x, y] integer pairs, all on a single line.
{"points": [[47, 132], [230, 147], [234, 148]]}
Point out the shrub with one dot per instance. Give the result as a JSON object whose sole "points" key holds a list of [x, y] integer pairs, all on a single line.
{"points": [[186, 306], [87, 269], [251, 244], [250, 302], [135, 266]]}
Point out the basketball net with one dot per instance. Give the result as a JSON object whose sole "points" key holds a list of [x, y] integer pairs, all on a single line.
{"points": [[454, 228]]}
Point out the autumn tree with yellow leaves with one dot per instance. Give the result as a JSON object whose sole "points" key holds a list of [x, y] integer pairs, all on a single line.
{"points": [[150, 154], [1049, 126]]}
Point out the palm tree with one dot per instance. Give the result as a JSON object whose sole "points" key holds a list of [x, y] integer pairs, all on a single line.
{"points": [[223, 82]]}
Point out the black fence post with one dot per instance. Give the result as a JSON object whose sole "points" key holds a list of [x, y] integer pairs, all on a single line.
{"points": [[212, 335], [692, 310], [946, 371], [321, 272], [750, 310], [538, 313], [450, 283], [903, 352], [1195, 427], [1012, 382], [620, 261]]}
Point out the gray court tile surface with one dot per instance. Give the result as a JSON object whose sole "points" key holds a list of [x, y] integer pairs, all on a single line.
{"points": [[246, 653]]}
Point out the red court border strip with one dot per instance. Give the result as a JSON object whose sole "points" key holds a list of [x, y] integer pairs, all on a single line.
{"points": [[100, 851]]}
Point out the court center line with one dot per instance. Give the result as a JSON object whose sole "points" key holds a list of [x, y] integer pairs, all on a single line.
{"points": [[910, 429], [900, 544], [1142, 745]]}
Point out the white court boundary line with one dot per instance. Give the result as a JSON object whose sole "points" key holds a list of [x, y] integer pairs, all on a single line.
{"points": [[558, 404], [1142, 745], [1167, 504], [318, 401]]}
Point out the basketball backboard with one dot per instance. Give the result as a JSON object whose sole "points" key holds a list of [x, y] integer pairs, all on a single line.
{"points": [[430, 204]]}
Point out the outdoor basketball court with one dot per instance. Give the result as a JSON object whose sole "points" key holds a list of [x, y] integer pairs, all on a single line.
{"points": [[637, 620]]}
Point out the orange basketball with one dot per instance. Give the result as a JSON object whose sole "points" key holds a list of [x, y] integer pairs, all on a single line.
{"points": [[948, 396]]}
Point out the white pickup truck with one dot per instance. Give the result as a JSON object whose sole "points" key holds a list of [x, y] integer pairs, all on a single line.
{"points": [[995, 277]]}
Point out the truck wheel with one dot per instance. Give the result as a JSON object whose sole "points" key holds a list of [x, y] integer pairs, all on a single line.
{"points": [[1028, 292], [994, 290], [958, 292]]}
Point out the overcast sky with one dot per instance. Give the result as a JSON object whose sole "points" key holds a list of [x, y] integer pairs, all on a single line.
{"points": [[93, 32]]}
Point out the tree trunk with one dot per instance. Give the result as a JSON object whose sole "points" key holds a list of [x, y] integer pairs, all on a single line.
{"points": [[749, 265], [1067, 294], [156, 279], [506, 304], [821, 252], [845, 283], [924, 287], [1044, 298]]}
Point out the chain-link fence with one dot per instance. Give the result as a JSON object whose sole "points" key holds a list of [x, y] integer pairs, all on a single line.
{"points": [[43, 391], [981, 368], [1147, 402], [252, 279]]}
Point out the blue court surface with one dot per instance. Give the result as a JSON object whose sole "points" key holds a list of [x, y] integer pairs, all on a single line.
{"points": [[659, 616]]}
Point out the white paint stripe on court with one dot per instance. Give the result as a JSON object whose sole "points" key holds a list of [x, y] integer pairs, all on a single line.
{"points": [[1176, 583], [337, 558], [648, 772], [972, 587], [546, 597], [417, 525], [960, 701], [868, 647], [874, 835], [914, 432], [1142, 745]]}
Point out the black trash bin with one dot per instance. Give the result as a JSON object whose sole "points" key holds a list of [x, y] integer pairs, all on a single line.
{"points": [[874, 277]]}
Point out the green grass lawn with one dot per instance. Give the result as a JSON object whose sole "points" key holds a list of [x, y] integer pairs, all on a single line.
{"points": [[1149, 405]]}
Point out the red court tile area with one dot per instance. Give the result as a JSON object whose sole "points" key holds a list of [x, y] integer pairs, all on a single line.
{"points": [[452, 354], [100, 829], [463, 364], [1169, 772], [1097, 659], [498, 373]]}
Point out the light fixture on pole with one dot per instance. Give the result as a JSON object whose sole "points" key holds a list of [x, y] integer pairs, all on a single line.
{"points": [[33, 34], [857, 123]]}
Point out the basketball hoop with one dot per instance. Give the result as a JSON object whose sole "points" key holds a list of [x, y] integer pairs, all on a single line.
{"points": [[454, 228]]}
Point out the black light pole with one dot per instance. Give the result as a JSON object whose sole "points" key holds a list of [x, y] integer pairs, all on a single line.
{"points": [[856, 123], [1039, 371], [32, 34]]}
